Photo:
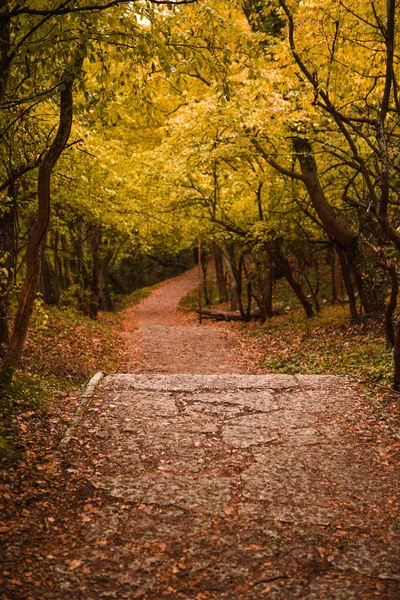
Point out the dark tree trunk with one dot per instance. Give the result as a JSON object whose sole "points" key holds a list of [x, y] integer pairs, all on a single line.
{"points": [[346, 274], [314, 291], [372, 298], [78, 267], [396, 356], [7, 262], [219, 272], [233, 286], [57, 260], [65, 271], [5, 42], [334, 225], [97, 279], [286, 270], [336, 275], [266, 299], [391, 306], [204, 268], [49, 282], [238, 274], [38, 233]]}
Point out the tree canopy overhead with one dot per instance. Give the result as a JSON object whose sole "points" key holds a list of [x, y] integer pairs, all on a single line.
{"points": [[271, 127]]}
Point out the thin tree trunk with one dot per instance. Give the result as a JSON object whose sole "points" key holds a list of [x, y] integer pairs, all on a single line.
{"points": [[5, 42], [65, 264], [232, 282], [337, 277], [7, 262], [396, 356], [391, 306], [348, 284], [49, 281], [38, 234], [97, 278], [296, 286], [266, 301], [219, 272], [204, 266]]}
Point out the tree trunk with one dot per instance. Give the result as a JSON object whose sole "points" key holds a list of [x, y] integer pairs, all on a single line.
{"points": [[65, 271], [336, 275], [286, 269], [96, 283], [372, 299], [232, 281], [335, 227], [266, 300], [7, 262], [5, 43], [49, 281], [348, 284], [38, 234], [219, 272], [57, 260], [283, 265], [396, 356], [391, 307], [204, 267]]}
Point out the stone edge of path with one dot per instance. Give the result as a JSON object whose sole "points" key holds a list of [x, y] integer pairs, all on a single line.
{"points": [[190, 382], [85, 398]]}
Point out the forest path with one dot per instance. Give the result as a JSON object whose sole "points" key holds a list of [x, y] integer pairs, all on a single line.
{"points": [[161, 338], [205, 485]]}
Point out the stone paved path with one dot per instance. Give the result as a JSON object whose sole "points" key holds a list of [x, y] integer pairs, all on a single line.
{"points": [[240, 487]]}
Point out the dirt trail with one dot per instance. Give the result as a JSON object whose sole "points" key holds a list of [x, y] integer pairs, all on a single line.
{"points": [[163, 339], [188, 480]]}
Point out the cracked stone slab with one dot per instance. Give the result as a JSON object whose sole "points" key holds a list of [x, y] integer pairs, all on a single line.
{"points": [[371, 558], [326, 401], [195, 424], [322, 381], [191, 383], [278, 473], [307, 436], [244, 436], [260, 401], [308, 515], [221, 411], [276, 421], [205, 494], [285, 588], [150, 404]]}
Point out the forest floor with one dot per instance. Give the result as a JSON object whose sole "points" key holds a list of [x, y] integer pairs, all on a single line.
{"points": [[193, 475]]}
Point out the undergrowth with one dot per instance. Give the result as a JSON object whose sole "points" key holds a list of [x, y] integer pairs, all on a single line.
{"points": [[328, 343], [136, 296], [63, 349]]}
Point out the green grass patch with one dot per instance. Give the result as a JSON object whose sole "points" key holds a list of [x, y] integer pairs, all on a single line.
{"points": [[190, 302], [326, 344], [136, 296]]}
